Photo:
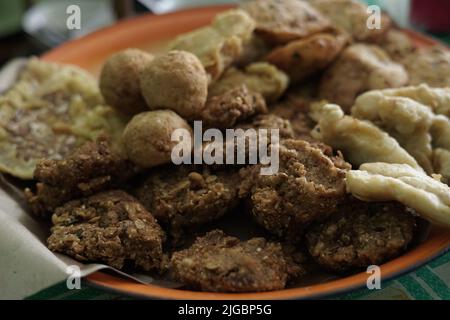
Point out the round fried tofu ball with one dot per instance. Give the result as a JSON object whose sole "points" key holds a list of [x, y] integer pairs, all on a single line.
{"points": [[119, 80], [176, 81], [147, 137]]}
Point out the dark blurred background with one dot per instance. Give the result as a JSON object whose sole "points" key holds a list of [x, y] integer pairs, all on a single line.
{"points": [[30, 27]]}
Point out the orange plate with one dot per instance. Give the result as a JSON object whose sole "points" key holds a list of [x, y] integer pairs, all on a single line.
{"points": [[145, 32]]}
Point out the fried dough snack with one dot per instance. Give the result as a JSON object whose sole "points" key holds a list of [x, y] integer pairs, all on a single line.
{"points": [[305, 57], [220, 263], [219, 44], [91, 168], [233, 106], [50, 111], [260, 77], [308, 187], [360, 68], [110, 227], [360, 141], [280, 22], [441, 163], [397, 44], [185, 197], [352, 16], [270, 121], [402, 183], [254, 50], [361, 234], [430, 65]]}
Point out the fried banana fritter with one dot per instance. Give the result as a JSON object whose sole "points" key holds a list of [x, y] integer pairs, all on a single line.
{"points": [[217, 262], [308, 187], [235, 105], [360, 68], [91, 168], [361, 234], [305, 57], [185, 197], [280, 22], [110, 227]]}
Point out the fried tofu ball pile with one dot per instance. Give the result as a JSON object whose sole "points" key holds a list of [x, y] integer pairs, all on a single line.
{"points": [[119, 80], [110, 227], [148, 137], [308, 187], [184, 197], [92, 168], [361, 234], [217, 262]]}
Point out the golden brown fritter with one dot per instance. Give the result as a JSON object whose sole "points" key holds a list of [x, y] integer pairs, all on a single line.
{"points": [[282, 21], [91, 168], [184, 197], [305, 57], [308, 187], [225, 110], [360, 68], [353, 17], [253, 50], [110, 227], [361, 234], [217, 262]]}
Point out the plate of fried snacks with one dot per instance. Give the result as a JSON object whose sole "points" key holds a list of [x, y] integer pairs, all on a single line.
{"points": [[116, 140]]}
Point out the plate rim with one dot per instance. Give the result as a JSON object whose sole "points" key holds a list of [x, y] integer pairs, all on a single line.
{"points": [[438, 242]]}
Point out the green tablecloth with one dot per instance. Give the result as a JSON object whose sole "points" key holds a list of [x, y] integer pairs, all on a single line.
{"points": [[429, 282]]}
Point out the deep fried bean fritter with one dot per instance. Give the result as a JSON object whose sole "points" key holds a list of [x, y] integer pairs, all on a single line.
{"points": [[111, 227], [91, 168], [361, 234], [308, 187], [187, 196], [217, 262], [225, 110]]}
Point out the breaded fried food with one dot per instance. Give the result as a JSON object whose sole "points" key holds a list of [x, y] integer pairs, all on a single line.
{"points": [[305, 57], [269, 121], [220, 263], [360, 68], [119, 80], [397, 44], [184, 197], [91, 168], [218, 45], [253, 50], [430, 65], [353, 17], [360, 141], [110, 227], [49, 112], [280, 22], [260, 77], [235, 105], [400, 182], [361, 234], [307, 187]]}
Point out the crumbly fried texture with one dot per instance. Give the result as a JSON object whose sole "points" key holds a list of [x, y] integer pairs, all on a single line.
{"points": [[307, 187], [360, 68], [91, 168], [280, 22], [184, 197], [110, 227], [217, 262], [397, 44], [235, 105], [305, 57], [361, 234], [253, 50], [353, 17], [430, 65], [269, 121], [260, 77]]}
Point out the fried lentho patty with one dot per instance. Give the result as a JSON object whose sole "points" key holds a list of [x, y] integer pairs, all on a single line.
{"points": [[188, 196], [308, 187], [282, 21], [217, 262], [92, 168], [361, 234], [48, 113], [110, 227]]}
